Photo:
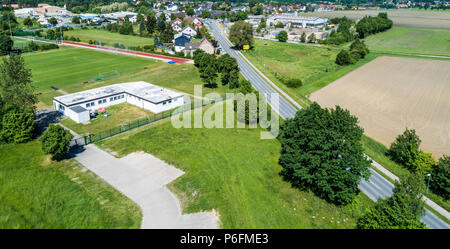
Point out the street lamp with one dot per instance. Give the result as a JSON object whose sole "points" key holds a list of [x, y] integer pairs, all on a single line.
{"points": [[428, 185]]}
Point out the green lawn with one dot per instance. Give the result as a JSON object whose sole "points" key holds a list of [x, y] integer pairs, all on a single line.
{"points": [[36, 192], [72, 69], [109, 37], [429, 41], [236, 173], [120, 114], [314, 65]]}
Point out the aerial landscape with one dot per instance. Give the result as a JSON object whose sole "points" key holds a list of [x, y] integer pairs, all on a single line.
{"points": [[125, 114]]}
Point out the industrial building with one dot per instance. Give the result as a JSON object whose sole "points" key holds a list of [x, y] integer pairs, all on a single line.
{"points": [[79, 106]]}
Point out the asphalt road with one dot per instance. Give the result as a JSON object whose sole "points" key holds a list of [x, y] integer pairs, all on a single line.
{"points": [[285, 110], [376, 187]]}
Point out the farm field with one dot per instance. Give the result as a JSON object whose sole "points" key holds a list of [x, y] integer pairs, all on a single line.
{"points": [[120, 114], [38, 193], [430, 41], [412, 18], [72, 70], [109, 38], [389, 94], [235, 172], [314, 65]]}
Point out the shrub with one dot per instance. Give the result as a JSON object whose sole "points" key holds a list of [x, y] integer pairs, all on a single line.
{"points": [[293, 83], [344, 58], [17, 126], [55, 141]]}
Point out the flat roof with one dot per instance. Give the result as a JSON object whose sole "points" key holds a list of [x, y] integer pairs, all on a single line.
{"points": [[141, 89], [78, 109]]}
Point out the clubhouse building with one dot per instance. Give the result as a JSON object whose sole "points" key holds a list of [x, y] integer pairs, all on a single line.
{"points": [[79, 106]]}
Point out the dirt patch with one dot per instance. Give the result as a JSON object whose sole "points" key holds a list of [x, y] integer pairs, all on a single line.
{"points": [[389, 94]]}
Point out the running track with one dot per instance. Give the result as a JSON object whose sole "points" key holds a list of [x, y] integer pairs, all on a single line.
{"points": [[129, 52]]}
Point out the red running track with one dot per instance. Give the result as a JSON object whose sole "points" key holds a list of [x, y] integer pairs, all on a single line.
{"points": [[156, 56]]}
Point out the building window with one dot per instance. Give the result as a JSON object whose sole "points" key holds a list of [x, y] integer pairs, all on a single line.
{"points": [[115, 97], [170, 101], [164, 102], [111, 99], [92, 103], [87, 105], [100, 102], [104, 101], [122, 96]]}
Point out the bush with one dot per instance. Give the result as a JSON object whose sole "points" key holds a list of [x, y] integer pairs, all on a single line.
{"points": [[293, 83], [358, 49], [425, 163], [344, 58], [55, 141], [17, 126]]}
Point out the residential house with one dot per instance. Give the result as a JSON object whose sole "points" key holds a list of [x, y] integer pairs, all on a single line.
{"points": [[180, 41], [204, 45], [190, 31]]}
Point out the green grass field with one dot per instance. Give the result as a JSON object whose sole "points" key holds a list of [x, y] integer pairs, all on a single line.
{"points": [[314, 65], [70, 68], [36, 192], [109, 37], [236, 173], [429, 41], [120, 114]]}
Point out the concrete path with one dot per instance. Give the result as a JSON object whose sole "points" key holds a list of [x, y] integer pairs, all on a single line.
{"points": [[143, 178]]}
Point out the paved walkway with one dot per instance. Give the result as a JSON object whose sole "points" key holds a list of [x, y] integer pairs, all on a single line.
{"points": [[143, 178]]}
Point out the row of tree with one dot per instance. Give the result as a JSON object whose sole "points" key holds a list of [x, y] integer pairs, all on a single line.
{"points": [[321, 151], [405, 150], [210, 67]]}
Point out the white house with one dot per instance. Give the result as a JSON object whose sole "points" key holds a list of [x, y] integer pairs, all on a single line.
{"points": [[177, 27], [172, 7], [190, 31], [156, 99]]}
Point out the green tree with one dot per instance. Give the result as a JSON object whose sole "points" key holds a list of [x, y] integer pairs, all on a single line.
{"points": [[190, 12], [405, 150], [55, 141], [425, 163], [6, 44], [359, 48], [312, 38], [303, 37], [17, 126], [28, 22], [16, 87], [344, 58], [400, 211], [241, 33], [167, 35], [282, 36], [440, 177], [321, 150], [151, 23], [206, 14], [76, 19], [53, 21]]}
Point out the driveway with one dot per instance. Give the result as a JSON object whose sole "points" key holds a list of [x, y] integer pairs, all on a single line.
{"points": [[143, 178]]}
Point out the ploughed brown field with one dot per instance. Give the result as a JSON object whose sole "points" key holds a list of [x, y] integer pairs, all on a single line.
{"points": [[413, 18], [391, 93]]}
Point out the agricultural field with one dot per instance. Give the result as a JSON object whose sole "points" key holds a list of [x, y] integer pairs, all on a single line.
{"points": [[412, 40], [412, 18], [119, 114], [77, 69], [36, 192], [109, 38], [314, 65], [244, 187], [389, 94]]}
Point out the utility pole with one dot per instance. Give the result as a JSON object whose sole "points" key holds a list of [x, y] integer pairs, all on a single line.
{"points": [[428, 184]]}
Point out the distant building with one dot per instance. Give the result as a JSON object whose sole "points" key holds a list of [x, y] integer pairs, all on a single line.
{"points": [[190, 31], [180, 41], [204, 45], [78, 106]]}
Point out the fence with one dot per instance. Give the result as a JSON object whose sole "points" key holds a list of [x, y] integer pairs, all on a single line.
{"points": [[133, 124]]}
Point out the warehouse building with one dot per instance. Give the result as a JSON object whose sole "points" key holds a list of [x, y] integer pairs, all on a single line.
{"points": [[79, 106]]}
